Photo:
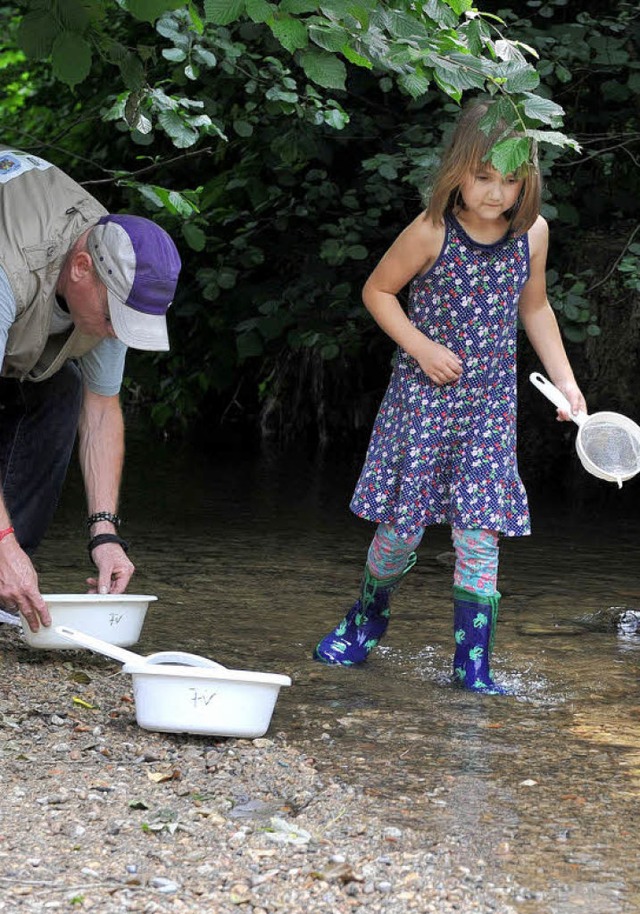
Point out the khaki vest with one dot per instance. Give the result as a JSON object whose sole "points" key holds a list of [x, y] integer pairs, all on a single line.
{"points": [[42, 214]]}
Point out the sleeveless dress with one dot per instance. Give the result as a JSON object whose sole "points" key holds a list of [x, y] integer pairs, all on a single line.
{"points": [[448, 454]]}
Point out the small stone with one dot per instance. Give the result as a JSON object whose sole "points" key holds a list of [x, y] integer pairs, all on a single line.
{"points": [[166, 886]]}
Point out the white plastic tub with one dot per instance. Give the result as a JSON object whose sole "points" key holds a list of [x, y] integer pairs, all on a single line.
{"points": [[116, 618], [216, 702]]}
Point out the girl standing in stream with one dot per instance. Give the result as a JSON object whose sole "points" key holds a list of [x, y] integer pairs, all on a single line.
{"points": [[443, 447]]}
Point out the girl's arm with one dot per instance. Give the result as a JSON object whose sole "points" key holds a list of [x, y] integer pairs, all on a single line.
{"points": [[540, 322], [413, 252]]}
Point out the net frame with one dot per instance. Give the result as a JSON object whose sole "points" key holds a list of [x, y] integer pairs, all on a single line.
{"points": [[616, 423]]}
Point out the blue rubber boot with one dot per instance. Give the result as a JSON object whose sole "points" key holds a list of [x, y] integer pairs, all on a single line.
{"points": [[353, 639], [475, 617]]}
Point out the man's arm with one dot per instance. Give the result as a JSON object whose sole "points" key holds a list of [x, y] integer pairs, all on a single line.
{"points": [[101, 453], [18, 579]]}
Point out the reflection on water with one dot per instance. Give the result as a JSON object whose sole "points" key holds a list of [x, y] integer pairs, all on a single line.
{"points": [[254, 559]]}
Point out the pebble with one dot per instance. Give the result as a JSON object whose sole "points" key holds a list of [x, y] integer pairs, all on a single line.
{"points": [[167, 886]]}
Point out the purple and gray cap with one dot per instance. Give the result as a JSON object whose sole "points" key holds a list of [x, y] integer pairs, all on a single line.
{"points": [[139, 264]]}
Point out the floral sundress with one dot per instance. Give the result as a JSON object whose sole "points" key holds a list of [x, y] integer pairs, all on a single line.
{"points": [[448, 454]]}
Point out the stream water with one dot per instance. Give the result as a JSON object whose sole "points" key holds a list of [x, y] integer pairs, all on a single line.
{"points": [[253, 558]]}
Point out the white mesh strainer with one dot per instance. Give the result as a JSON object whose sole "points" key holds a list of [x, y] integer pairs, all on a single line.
{"points": [[608, 444]]}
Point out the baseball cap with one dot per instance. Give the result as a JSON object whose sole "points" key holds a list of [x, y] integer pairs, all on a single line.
{"points": [[139, 264]]}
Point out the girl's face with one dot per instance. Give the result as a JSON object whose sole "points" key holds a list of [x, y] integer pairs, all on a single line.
{"points": [[487, 193]]}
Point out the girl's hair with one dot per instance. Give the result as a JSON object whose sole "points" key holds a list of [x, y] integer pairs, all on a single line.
{"points": [[469, 151]]}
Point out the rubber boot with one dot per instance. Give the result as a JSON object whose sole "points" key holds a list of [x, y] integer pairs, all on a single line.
{"points": [[475, 617], [353, 639]]}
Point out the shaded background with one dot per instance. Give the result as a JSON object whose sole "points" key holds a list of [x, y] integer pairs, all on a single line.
{"points": [[271, 345]]}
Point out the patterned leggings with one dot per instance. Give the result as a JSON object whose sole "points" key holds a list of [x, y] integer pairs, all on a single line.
{"points": [[476, 556]]}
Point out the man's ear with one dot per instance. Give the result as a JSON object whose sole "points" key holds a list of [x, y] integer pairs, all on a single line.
{"points": [[81, 266]]}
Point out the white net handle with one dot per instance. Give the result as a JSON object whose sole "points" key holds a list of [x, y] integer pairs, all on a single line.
{"points": [[556, 396]]}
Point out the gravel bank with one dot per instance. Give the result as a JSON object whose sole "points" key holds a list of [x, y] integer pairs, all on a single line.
{"points": [[98, 814]]}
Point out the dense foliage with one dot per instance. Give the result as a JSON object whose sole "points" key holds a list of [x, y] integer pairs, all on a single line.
{"points": [[286, 144]]}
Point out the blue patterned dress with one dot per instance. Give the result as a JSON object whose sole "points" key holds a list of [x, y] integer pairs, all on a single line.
{"points": [[448, 454]]}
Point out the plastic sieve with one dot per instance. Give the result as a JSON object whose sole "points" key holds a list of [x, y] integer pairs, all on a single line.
{"points": [[608, 444]]}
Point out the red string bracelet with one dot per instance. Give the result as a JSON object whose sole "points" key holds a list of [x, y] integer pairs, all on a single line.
{"points": [[6, 532]]}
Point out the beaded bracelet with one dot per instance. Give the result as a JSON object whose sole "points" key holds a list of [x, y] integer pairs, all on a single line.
{"points": [[103, 538], [103, 515]]}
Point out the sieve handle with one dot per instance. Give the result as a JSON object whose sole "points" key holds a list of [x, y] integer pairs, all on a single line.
{"points": [[556, 396], [98, 645]]}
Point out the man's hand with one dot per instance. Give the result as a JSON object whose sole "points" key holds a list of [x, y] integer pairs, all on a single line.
{"points": [[114, 569], [19, 585]]}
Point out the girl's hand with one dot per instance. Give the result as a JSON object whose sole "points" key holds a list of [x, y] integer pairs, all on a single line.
{"points": [[574, 395], [439, 363]]}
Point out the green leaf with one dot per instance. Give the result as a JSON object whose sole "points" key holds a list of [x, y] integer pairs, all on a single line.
{"points": [[555, 138], [474, 33], [243, 128], [181, 133], [249, 345], [298, 6], [175, 55], [275, 94], [499, 111], [460, 6], [329, 36], [324, 69], [74, 15], [444, 14], [508, 155], [206, 58], [259, 10], [357, 59], [194, 236], [223, 12], [329, 351], [575, 334], [150, 10], [150, 194], [37, 32], [336, 118], [178, 204], [227, 277], [542, 109], [291, 33], [523, 80], [132, 71], [447, 87], [135, 119], [461, 71], [194, 17], [71, 57], [415, 84]]}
